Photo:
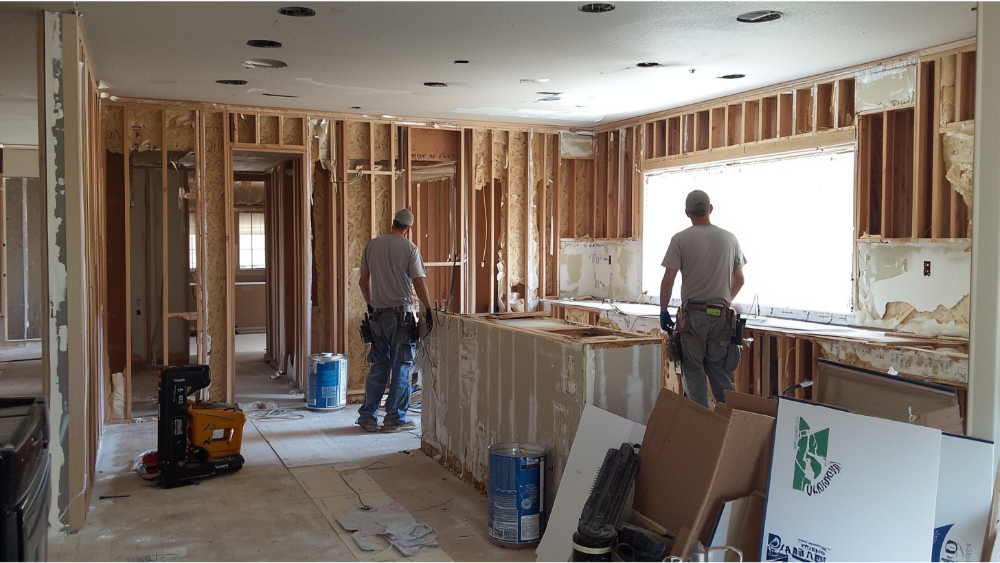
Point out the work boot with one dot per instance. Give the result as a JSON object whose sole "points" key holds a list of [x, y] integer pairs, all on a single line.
{"points": [[369, 425], [396, 426]]}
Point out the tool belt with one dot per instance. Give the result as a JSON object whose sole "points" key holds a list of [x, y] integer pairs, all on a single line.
{"points": [[405, 320]]}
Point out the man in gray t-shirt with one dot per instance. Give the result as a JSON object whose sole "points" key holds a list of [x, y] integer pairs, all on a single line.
{"points": [[389, 265], [711, 265]]}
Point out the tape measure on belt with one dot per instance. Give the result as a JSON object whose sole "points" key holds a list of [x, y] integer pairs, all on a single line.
{"points": [[713, 311]]}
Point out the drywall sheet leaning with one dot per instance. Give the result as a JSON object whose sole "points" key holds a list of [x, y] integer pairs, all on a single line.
{"points": [[916, 287], [601, 431], [846, 487], [610, 270], [965, 487]]}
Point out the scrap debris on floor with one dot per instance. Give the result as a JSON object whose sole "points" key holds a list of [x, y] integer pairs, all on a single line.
{"points": [[393, 522]]}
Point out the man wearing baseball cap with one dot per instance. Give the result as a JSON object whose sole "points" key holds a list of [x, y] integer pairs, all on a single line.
{"points": [[711, 265], [390, 266]]}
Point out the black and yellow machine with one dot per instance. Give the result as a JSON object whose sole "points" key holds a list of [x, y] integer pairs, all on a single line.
{"points": [[195, 439]]}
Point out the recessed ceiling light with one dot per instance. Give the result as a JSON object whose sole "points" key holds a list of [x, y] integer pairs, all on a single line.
{"points": [[297, 11], [599, 8], [732, 76], [278, 95], [647, 65], [461, 62], [760, 16], [436, 84], [263, 43], [232, 82], [264, 63]]}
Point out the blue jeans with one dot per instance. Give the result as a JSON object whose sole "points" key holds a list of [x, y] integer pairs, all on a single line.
{"points": [[391, 356], [704, 344]]}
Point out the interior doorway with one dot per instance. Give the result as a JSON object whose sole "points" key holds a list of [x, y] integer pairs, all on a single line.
{"points": [[266, 210]]}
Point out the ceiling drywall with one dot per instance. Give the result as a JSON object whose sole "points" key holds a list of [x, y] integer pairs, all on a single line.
{"points": [[376, 55]]}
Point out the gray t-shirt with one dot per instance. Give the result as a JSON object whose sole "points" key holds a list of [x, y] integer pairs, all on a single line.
{"points": [[706, 256], [393, 262]]}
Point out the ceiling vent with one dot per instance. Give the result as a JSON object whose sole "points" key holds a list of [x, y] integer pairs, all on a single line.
{"points": [[264, 63], [648, 65], [355, 107], [732, 76], [436, 84], [759, 16], [599, 8], [263, 43], [297, 11], [461, 62], [232, 82]]}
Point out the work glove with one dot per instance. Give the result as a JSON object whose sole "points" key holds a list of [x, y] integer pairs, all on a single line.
{"points": [[429, 319], [666, 323]]}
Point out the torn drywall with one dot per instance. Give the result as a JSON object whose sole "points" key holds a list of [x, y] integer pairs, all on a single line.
{"points": [[885, 88], [607, 269], [917, 287], [942, 364], [576, 145]]}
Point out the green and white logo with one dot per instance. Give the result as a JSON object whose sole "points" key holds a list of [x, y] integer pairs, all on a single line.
{"points": [[813, 471]]}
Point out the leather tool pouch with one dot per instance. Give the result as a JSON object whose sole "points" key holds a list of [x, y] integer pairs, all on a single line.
{"points": [[410, 326], [366, 330], [734, 351]]}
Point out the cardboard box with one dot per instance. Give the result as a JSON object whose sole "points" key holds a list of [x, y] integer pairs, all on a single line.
{"points": [[847, 487], [693, 460], [965, 485]]}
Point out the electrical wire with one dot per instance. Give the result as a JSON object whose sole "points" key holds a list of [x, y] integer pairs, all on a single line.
{"points": [[276, 414], [377, 554]]}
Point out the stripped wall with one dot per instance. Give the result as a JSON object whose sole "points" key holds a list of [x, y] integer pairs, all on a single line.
{"points": [[601, 269]]}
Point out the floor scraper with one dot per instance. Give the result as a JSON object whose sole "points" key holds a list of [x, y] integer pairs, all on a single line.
{"points": [[195, 439]]}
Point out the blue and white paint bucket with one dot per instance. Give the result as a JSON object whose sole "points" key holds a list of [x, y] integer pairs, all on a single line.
{"points": [[517, 493], [327, 386]]}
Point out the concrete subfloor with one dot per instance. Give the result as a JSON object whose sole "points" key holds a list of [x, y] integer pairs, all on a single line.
{"points": [[300, 471]]}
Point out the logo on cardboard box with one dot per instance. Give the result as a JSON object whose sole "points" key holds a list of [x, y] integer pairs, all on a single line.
{"points": [[778, 550], [947, 549], [813, 471]]}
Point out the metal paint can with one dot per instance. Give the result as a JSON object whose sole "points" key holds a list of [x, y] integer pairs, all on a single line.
{"points": [[516, 493], [327, 386]]}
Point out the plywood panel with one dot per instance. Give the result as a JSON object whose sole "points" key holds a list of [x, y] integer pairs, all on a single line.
{"points": [[291, 131], [359, 227], [113, 118], [180, 130], [145, 129], [270, 130]]}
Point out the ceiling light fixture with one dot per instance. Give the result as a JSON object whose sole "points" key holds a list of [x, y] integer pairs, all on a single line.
{"points": [[264, 63], [232, 82], [732, 76], [263, 44], [461, 62], [436, 84], [759, 16], [648, 65], [598, 8], [297, 11]]}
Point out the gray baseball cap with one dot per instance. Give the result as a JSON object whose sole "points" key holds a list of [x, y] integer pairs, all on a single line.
{"points": [[697, 202], [404, 217]]}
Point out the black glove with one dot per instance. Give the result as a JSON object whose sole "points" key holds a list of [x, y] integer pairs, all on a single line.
{"points": [[371, 311], [429, 319], [666, 323]]}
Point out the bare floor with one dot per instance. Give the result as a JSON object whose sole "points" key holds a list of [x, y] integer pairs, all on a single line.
{"points": [[300, 471]]}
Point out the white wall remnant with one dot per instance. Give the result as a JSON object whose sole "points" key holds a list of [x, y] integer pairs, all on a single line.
{"points": [[942, 364], [885, 88], [576, 145], [605, 269], [916, 287], [958, 155]]}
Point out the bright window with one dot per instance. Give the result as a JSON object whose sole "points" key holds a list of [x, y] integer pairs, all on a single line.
{"points": [[251, 241], [192, 242], [792, 216]]}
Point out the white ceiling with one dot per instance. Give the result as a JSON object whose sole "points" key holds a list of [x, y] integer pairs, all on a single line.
{"points": [[376, 54]]}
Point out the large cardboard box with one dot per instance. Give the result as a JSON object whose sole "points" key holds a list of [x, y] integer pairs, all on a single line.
{"points": [[693, 460], [965, 485], [847, 487]]}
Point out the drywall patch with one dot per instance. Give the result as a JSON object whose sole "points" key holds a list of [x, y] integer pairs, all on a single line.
{"points": [[576, 145], [942, 364], [895, 273], [607, 269], [885, 88]]}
